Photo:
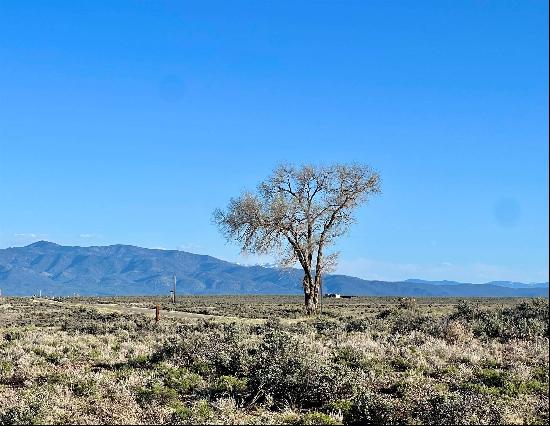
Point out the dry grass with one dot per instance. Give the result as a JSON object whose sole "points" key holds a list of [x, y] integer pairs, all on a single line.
{"points": [[367, 361]]}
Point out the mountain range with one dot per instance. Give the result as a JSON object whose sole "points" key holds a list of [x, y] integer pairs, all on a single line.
{"points": [[58, 270]]}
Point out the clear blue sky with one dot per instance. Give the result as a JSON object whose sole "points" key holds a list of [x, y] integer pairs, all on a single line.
{"points": [[129, 122]]}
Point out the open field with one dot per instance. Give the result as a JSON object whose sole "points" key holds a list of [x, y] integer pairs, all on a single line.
{"points": [[288, 307], [257, 359]]}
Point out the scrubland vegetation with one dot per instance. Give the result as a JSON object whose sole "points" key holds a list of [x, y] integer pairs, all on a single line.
{"points": [[365, 360]]}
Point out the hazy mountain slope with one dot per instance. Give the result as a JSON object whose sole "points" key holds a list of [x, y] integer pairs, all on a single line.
{"points": [[510, 284], [346, 285], [125, 270]]}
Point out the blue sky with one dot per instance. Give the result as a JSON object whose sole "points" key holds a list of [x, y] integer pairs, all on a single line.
{"points": [[129, 122]]}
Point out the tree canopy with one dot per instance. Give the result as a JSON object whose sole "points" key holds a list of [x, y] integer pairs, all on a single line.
{"points": [[296, 213]]}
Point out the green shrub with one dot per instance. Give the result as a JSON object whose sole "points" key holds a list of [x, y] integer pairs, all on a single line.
{"points": [[287, 372], [157, 394], [84, 388], [407, 303], [492, 377], [349, 357], [11, 335], [525, 320], [198, 413], [316, 418], [181, 380], [358, 324], [230, 385], [339, 406]]}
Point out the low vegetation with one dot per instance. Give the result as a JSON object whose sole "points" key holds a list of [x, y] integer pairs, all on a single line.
{"points": [[365, 360]]}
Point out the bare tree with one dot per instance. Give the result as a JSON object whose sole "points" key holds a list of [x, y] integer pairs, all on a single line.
{"points": [[296, 213]]}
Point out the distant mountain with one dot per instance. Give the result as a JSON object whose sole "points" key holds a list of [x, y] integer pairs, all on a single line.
{"points": [[510, 284], [128, 270], [444, 282], [513, 284]]}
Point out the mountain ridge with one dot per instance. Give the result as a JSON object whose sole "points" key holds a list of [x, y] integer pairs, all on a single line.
{"points": [[123, 269]]}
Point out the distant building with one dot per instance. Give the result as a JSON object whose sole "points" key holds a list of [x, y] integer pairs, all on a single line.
{"points": [[335, 295]]}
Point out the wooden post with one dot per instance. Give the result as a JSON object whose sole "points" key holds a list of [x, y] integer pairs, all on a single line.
{"points": [[157, 313]]}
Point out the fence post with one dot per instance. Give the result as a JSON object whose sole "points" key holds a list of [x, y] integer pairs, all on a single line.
{"points": [[157, 313]]}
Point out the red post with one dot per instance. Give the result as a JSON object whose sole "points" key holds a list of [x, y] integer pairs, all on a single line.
{"points": [[157, 313]]}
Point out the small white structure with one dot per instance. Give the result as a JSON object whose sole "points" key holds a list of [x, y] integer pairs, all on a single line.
{"points": [[334, 295]]}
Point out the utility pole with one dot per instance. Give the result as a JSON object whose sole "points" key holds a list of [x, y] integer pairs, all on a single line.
{"points": [[174, 295]]}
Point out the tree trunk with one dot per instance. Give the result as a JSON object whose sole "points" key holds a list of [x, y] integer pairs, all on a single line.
{"points": [[311, 293]]}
